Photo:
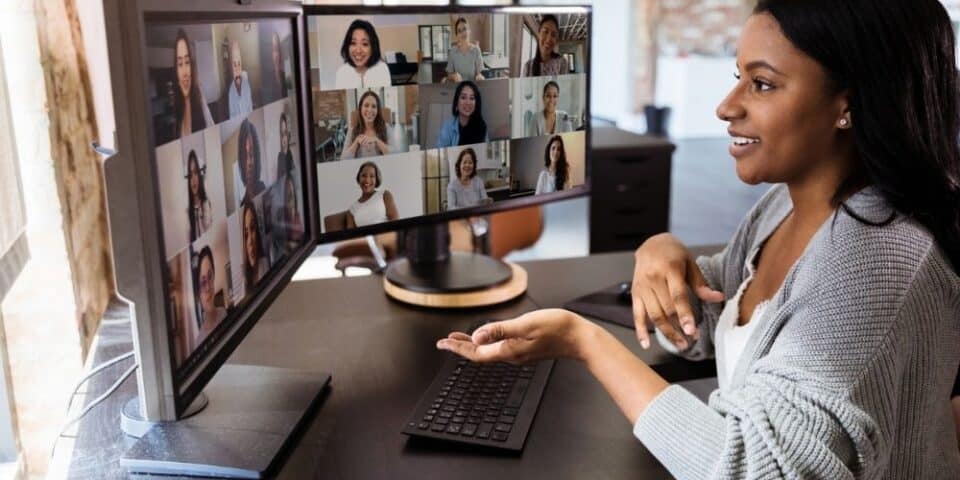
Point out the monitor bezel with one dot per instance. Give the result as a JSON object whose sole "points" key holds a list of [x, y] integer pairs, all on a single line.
{"points": [[446, 216], [179, 389]]}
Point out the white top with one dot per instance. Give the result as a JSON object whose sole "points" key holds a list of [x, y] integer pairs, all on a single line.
{"points": [[730, 339], [546, 182], [375, 76], [371, 212], [240, 103], [562, 124]]}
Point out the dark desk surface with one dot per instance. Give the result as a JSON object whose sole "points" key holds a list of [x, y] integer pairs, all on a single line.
{"points": [[382, 357]]}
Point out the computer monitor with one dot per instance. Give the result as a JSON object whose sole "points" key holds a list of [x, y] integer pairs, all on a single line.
{"points": [[422, 115]]}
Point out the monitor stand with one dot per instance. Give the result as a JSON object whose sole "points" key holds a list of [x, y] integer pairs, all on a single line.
{"points": [[247, 419], [430, 275]]}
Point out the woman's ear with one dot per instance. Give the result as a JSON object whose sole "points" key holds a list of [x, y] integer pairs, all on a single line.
{"points": [[844, 121]]}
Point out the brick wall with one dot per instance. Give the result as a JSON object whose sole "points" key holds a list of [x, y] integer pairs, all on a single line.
{"points": [[329, 104], [702, 27]]}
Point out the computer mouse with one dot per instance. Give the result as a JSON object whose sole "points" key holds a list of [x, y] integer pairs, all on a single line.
{"points": [[624, 294]]}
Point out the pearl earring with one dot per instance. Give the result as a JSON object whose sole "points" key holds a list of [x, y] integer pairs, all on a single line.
{"points": [[844, 122]]}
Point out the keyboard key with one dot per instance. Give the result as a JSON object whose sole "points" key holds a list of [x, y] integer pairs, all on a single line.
{"points": [[468, 429], [441, 421], [490, 419], [511, 411], [423, 425], [446, 414], [484, 430], [506, 419], [449, 408], [459, 419], [438, 427], [500, 436], [519, 390], [454, 429], [428, 418], [503, 427]]}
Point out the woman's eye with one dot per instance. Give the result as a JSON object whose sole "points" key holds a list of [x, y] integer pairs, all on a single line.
{"points": [[761, 86]]}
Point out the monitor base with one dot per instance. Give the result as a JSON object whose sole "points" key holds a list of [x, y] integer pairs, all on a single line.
{"points": [[254, 415], [515, 286]]}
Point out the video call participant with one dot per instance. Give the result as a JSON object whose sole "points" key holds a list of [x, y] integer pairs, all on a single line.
{"points": [[465, 188], [239, 98], [190, 109], [248, 159], [285, 157], [287, 231], [545, 61], [199, 211], [368, 134], [374, 206], [847, 270], [255, 262], [555, 176], [550, 120], [275, 82], [363, 66], [466, 126], [183, 330], [464, 60], [210, 314]]}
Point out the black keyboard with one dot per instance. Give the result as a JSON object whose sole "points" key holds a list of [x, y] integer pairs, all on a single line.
{"points": [[489, 404]]}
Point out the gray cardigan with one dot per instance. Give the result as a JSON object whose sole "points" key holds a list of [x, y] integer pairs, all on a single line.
{"points": [[850, 374]]}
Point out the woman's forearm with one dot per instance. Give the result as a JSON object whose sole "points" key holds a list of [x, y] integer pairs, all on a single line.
{"points": [[631, 383]]}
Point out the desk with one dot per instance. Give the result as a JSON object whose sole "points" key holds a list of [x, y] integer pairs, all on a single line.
{"points": [[382, 357]]}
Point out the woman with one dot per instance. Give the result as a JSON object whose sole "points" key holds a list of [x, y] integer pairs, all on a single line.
{"points": [[550, 120], [555, 175], [239, 93], [374, 206], [285, 157], [210, 313], [189, 107], [466, 126], [275, 82], [464, 60], [846, 273], [368, 134], [545, 61], [255, 263], [465, 189], [199, 210], [362, 65], [248, 158], [292, 220]]}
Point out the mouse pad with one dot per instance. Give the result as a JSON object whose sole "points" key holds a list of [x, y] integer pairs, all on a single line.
{"points": [[603, 305]]}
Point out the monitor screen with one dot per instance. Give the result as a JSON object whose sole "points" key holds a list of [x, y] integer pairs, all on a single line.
{"points": [[225, 120], [445, 112]]}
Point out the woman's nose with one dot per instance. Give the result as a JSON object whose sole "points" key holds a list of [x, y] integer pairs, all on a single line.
{"points": [[730, 107]]}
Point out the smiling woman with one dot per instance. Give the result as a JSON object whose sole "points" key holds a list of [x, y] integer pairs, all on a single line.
{"points": [[363, 65]]}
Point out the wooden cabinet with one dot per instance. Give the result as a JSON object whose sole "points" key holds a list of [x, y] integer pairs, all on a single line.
{"points": [[630, 188]]}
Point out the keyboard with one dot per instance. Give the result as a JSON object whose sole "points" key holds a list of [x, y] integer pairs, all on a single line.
{"points": [[487, 404]]}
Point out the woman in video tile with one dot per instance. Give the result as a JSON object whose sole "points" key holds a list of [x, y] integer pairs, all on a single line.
{"points": [[255, 263], [374, 205], [210, 313], [190, 109], [199, 210], [292, 220], [465, 188], [464, 60], [363, 65], [555, 174], [239, 96], [466, 126], [546, 61], [248, 157], [275, 81], [550, 120], [368, 133], [285, 157]]}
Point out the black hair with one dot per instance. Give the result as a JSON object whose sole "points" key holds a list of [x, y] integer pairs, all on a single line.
{"points": [[201, 192], [456, 24], [476, 129], [374, 43], [561, 170], [473, 154], [549, 84], [376, 171], [537, 60], [197, 120], [205, 252], [895, 60], [248, 270], [248, 130]]}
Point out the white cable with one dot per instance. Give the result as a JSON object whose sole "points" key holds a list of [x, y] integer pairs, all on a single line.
{"points": [[99, 399], [93, 372]]}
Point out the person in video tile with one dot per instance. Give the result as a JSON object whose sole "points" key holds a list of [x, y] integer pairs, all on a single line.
{"points": [[210, 313], [374, 205], [190, 108], [555, 175], [255, 263], [466, 126], [248, 157], [551, 120], [546, 61], [363, 64], [240, 100], [368, 133], [292, 220], [465, 188], [464, 60], [275, 81], [199, 210], [285, 157]]}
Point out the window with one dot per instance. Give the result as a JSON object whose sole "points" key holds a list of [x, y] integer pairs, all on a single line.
{"points": [[435, 41]]}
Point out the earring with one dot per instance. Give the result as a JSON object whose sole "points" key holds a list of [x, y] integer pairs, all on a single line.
{"points": [[844, 122]]}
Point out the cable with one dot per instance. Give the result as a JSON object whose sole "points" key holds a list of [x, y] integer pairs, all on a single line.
{"points": [[93, 372], [92, 404]]}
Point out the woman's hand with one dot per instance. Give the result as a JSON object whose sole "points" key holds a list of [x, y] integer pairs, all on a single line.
{"points": [[530, 337], [663, 273]]}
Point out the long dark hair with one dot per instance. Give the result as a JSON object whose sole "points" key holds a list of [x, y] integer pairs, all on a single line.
{"points": [[247, 130], [374, 43], [379, 125], [562, 168], [249, 272], [197, 120], [201, 192], [476, 129], [896, 60], [537, 60]]}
